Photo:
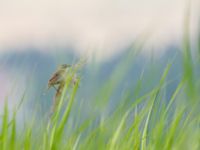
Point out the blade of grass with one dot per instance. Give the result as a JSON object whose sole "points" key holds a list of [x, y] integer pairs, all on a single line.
{"points": [[145, 130], [68, 110], [4, 132], [188, 69], [171, 134], [13, 132], [118, 131], [175, 94]]}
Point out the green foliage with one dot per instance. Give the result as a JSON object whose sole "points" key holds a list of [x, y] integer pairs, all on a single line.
{"points": [[139, 125]]}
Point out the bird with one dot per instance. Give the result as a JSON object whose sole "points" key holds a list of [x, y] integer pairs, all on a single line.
{"points": [[59, 76], [59, 79]]}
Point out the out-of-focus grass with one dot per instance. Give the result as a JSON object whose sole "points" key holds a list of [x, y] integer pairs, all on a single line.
{"points": [[146, 121]]}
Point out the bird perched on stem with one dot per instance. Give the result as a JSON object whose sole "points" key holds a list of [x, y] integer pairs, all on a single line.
{"points": [[59, 76], [62, 71], [59, 79]]}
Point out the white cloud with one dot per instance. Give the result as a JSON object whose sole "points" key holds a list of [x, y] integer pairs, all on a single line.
{"points": [[107, 24]]}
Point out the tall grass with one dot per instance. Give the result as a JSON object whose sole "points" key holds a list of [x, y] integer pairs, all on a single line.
{"points": [[146, 121]]}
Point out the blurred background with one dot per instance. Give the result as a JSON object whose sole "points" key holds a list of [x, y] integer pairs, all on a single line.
{"points": [[38, 35]]}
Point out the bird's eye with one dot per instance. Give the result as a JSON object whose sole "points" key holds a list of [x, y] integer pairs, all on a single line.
{"points": [[56, 74]]}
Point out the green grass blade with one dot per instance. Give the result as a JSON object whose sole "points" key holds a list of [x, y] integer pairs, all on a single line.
{"points": [[4, 132], [118, 132]]}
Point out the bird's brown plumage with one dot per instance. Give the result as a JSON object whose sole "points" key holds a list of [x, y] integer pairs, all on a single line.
{"points": [[58, 76]]}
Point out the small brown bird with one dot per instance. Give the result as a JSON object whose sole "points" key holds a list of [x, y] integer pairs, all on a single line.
{"points": [[59, 76], [59, 79]]}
